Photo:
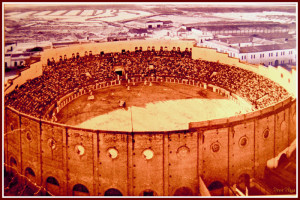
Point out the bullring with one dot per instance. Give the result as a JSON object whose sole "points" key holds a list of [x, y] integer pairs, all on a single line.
{"points": [[66, 160]]}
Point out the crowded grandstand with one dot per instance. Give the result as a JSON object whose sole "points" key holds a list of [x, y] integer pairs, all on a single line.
{"points": [[77, 73]]}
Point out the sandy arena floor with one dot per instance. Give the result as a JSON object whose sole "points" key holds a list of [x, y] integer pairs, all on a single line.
{"points": [[160, 107]]}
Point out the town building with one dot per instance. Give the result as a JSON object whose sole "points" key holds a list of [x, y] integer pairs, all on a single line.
{"points": [[158, 24], [138, 32], [22, 54], [239, 28], [257, 50], [276, 54]]}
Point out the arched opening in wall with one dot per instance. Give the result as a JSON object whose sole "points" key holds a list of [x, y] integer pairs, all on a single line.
{"points": [[10, 174], [283, 160], [112, 192], [14, 165], [148, 192], [52, 185], [80, 190], [30, 174], [243, 182], [13, 162], [184, 191], [216, 188]]}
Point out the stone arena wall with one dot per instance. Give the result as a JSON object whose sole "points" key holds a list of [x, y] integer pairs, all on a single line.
{"points": [[215, 150]]}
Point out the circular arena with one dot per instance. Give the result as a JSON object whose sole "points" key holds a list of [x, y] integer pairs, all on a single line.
{"points": [[145, 118]]}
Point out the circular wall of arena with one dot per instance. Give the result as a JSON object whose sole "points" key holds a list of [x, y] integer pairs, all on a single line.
{"points": [[67, 160]]}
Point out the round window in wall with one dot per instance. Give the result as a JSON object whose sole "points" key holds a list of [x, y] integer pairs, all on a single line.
{"points": [[243, 141], [215, 147], [79, 149], [112, 153], [266, 133], [148, 154], [11, 126], [183, 151], [29, 136], [52, 143]]}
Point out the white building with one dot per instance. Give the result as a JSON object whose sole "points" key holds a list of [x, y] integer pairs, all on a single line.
{"points": [[255, 51], [278, 54], [14, 57], [19, 54], [239, 27], [154, 24], [200, 36], [158, 24], [138, 32]]}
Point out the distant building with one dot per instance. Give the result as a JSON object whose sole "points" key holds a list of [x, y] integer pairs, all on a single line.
{"points": [[16, 56], [239, 28], [158, 24], [15, 60], [167, 23], [256, 50], [117, 38], [138, 32], [276, 54], [154, 24], [183, 32]]}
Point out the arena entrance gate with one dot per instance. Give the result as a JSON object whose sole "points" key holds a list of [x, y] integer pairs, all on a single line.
{"points": [[216, 188], [119, 70], [80, 190]]}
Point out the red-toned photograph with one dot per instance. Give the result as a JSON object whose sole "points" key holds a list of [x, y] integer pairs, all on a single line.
{"points": [[149, 99]]}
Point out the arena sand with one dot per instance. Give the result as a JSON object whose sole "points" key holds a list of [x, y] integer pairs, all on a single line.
{"points": [[164, 116], [161, 107]]}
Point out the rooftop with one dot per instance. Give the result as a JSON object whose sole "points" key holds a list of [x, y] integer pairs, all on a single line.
{"points": [[274, 35], [235, 40], [235, 23], [262, 48], [182, 30], [154, 21], [138, 30]]}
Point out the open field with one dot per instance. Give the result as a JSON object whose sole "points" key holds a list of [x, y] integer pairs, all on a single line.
{"points": [[160, 107], [108, 15]]}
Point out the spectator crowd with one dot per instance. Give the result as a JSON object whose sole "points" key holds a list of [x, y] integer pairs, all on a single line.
{"points": [[78, 72]]}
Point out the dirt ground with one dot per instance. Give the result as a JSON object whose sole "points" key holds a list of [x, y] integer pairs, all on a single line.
{"points": [[159, 107]]}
